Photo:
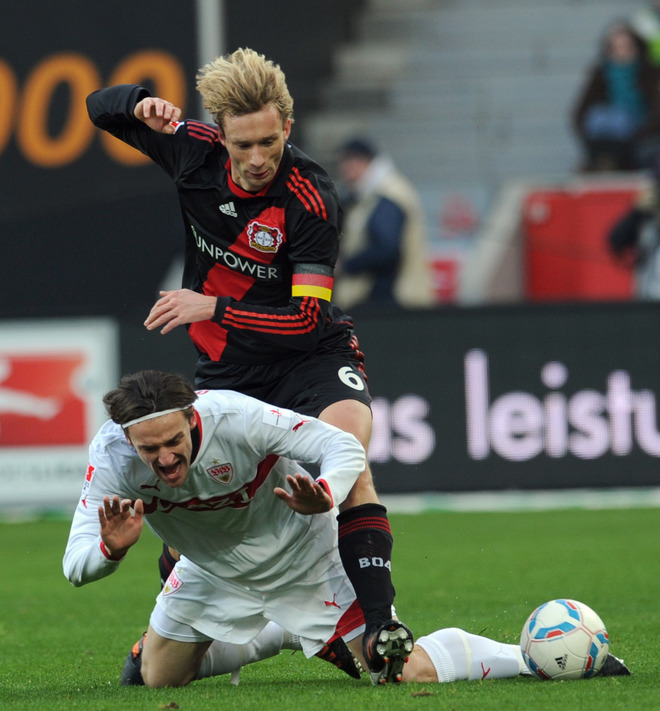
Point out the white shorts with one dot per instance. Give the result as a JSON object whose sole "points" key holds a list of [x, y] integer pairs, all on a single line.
{"points": [[318, 607]]}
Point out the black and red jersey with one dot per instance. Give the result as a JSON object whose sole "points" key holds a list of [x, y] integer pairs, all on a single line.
{"points": [[268, 257]]}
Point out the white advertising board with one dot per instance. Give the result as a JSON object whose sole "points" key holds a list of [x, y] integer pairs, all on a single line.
{"points": [[53, 375]]}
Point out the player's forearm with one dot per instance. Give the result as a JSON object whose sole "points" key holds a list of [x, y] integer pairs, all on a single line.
{"points": [[297, 326], [341, 467], [88, 560], [108, 108], [341, 456]]}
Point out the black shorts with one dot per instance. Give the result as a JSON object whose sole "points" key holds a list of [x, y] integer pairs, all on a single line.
{"points": [[307, 384]]}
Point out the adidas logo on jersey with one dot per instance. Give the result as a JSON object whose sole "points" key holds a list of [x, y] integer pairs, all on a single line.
{"points": [[228, 209]]}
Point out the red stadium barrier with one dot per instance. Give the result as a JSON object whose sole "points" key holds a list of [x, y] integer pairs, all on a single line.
{"points": [[565, 243]]}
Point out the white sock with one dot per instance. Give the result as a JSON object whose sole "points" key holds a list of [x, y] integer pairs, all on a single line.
{"points": [[290, 641], [459, 655], [226, 658]]}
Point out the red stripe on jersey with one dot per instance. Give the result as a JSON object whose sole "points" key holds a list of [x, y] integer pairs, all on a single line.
{"points": [[222, 281], [303, 322], [241, 192], [292, 325], [312, 280], [263, 470], [209, 338], [301, 196], [238, 499], [307, 193], [202, 131], [198, 420], [358, 355], [273, 328]]}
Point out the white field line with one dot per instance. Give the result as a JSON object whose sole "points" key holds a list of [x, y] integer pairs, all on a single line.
{"points": [[523, 500]]}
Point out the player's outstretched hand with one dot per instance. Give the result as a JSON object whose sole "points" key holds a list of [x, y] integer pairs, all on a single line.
{"points": [[306, 497], [178, 307], [120, 528], [158, 114]]}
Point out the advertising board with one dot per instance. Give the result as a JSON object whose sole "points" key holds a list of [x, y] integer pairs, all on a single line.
{"points": [[91, 223], [527, 397], [52, 379]]}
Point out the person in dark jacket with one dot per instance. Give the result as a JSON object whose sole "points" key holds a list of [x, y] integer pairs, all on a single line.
{"points": [[617, 114], [634, 240]]}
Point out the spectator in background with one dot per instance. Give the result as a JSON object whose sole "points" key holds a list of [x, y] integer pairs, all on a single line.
{"points": [[634, 240], [646, 23], [617, 114], [383, 257]]}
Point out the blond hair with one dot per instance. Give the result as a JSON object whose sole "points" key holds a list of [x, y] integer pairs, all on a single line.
{"points": [[242, 83]]}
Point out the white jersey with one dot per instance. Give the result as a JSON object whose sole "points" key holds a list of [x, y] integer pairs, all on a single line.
{"points": [[225, 517]]}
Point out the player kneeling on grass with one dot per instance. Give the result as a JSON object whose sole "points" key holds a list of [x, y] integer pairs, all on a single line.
{"points": [[214, 474]]}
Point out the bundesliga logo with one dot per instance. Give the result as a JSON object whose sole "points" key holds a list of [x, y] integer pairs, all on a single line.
{"points": [[39, 402]]}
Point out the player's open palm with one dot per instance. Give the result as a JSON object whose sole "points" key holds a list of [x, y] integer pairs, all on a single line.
{"points": [[120, 527], [306, 497]]}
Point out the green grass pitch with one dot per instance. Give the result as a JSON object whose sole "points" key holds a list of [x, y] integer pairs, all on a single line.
{"points": [[63, 648]]}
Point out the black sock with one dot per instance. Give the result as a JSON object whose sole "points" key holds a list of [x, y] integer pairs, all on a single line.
{"points": [[365, 547], [165, 565]]}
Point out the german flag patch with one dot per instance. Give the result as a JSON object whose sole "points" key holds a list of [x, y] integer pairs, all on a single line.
{"points": [[314, 285]]}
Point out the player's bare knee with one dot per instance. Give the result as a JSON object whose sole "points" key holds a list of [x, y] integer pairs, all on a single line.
{"points": [[351, 416], [156, 676], [169, 663], [150, 674]]}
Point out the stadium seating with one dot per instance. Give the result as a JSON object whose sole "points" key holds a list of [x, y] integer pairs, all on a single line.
{"points": [[468, 97]]}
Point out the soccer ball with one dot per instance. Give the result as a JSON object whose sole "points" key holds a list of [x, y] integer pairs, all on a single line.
{"points": [[564, 639]]}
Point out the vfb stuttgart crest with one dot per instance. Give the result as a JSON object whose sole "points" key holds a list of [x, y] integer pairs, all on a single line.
{"points": [[222, 473], [264, 238], [172, 584]]}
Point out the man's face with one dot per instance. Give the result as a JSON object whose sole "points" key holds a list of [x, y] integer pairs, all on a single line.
{"points": [[622, 47], [255, 143], [352, 168], [164, 444]]}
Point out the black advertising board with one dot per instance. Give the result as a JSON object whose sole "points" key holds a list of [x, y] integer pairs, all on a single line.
{"points": [[547, 397], [495, 398], [88, 227]]}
